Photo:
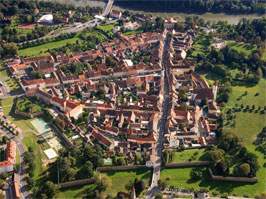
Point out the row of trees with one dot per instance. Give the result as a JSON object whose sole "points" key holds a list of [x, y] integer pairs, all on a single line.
{"points": [[242, 6]]}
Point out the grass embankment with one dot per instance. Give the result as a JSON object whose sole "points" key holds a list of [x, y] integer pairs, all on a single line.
{"points": [[121, 178], [22, 122]]}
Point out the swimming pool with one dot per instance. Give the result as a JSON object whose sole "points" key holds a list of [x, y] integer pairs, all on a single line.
{"points": [[108, 160]]}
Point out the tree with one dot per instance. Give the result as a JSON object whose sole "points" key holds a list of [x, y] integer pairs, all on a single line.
{"points": [[159, 196], [139, 186], [87, 169], [121, 162], [221, 168], [242, 170], [102, 183], [216, 155], [30, 182], [162, 184], [49, 189], [129, 186], [196, 174], [10, 48]]}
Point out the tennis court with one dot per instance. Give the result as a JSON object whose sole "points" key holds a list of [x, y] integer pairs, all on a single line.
{"points": [[46, 132], [41, 125]]}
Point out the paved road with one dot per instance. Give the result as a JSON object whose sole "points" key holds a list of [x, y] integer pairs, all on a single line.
{"points": [[24, 194], [153, 189]]}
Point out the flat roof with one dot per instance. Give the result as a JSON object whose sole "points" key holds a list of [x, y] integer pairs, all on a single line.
{"points": [[50, 153]]}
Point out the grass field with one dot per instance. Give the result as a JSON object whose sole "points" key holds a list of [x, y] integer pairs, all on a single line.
{"points": [[22, 122], [184, 156], [107, 27], [248, 125], [121, 178], [76, 191], [41, 49], [246, 48], [24, 104], [30, 139], [133, 32], [4, 73]]}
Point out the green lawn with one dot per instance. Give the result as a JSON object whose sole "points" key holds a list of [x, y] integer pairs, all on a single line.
{"points": [[107, 27], [121, 178], [76, 191], [17, 156], [14, 87], [30, 139], [248, 125], [184, 156], [180, 178], [22, 122], [133, 32], [26, 105], [246, 48], [41, 49], [4, 73]]}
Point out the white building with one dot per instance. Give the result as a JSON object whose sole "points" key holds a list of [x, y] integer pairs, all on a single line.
{"points": [[46, 19]]}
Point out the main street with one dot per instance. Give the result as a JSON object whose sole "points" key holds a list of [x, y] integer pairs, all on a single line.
{"points": [[153, 189]]}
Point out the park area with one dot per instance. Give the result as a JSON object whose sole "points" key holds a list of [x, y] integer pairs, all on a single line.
{"points": [[9, 111], [28, 105], [43, 49], [121, 178], [247, 125]]}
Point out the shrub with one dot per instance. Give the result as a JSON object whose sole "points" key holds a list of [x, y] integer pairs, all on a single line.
{"points": [[215, 193], [224, 195]]}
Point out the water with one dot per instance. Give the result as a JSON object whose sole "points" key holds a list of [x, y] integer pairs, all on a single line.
{"points": [[231, 19]]}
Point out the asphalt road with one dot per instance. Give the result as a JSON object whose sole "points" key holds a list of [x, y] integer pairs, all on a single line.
{"points": [[153, 189]]}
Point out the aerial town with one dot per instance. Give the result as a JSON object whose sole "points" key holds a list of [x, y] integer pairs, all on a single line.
{"points": [[103, 102]]}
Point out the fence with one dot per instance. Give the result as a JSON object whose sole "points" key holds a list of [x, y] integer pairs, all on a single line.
{"points": [[187, 164], [29, 115], [233, 179], [77, 182], [120, 168]]}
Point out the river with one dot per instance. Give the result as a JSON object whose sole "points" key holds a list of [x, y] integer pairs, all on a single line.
{"points": [[231, 19]]}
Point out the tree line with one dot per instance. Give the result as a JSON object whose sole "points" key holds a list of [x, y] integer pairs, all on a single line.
{"points": [[215, 6]]}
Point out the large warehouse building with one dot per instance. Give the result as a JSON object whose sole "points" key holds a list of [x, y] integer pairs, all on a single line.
{"points": [[46, 19]]}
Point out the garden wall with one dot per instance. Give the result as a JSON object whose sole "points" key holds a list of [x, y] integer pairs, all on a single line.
{"points": [[120, 168], [61, 134], [233, 179], [29, 115], [187, 164], [77, 182]]}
